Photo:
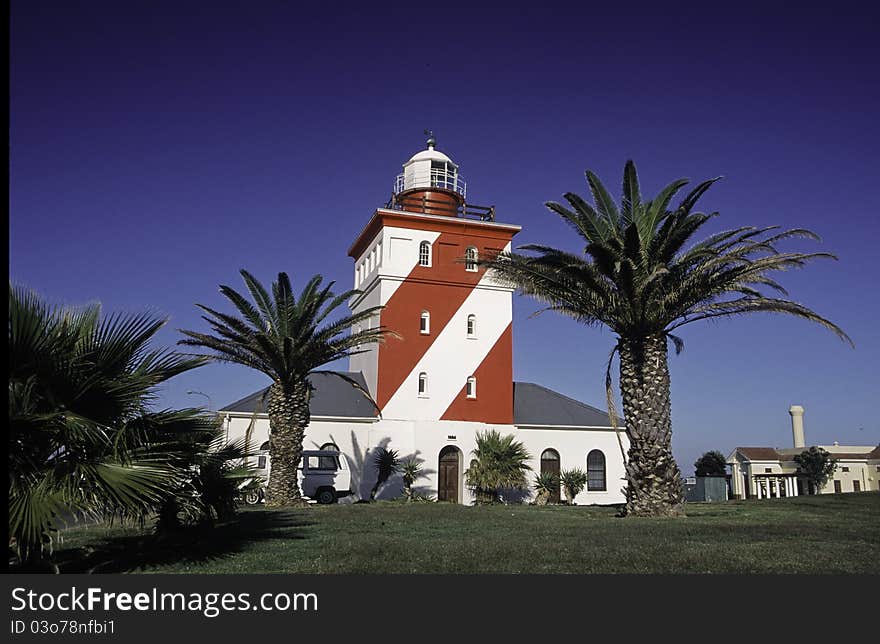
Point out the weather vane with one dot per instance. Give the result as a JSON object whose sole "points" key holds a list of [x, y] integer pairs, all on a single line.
{"points": [[432, 141]]}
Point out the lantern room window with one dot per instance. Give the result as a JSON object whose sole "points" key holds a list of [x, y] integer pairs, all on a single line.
{"points": [[425, 254]]}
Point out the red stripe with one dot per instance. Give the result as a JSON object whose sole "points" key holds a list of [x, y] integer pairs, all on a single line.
{"points": [[494, 401]]}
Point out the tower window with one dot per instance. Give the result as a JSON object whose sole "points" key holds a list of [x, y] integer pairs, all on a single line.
{"points": [[471, 388], [425, 323], [423, 384], [471, 326], [424, 254], [470, 259]]}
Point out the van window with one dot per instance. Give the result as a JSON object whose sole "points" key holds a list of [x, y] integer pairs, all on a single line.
{"points": [[314, 462]]}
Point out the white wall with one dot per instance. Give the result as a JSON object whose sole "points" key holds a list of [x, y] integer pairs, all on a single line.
{"points": [[425, 440]]}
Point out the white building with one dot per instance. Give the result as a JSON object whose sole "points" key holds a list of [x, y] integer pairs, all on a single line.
{"points": [[769, 472], [451, 373]]}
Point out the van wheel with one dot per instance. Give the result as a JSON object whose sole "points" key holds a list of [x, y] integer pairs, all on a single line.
{"points": [[326, 496], [252, 497]]}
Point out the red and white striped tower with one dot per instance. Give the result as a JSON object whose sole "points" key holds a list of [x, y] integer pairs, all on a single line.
{"points": [[454, 358]]}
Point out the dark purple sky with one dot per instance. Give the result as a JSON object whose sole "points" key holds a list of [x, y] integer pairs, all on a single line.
{"points": [[158, 147]]}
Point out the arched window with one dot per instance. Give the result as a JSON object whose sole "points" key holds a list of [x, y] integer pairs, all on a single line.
{"points": [[470, 259], [423, 384], [595, 471], [471, 326], [424, 254], [471, 388], [550, 465], [425, 323]]}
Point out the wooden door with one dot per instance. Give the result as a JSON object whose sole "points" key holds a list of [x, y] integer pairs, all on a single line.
{"points": [[447, 487]]}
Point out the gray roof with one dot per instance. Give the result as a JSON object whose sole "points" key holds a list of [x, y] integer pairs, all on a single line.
{"points": [[537, 405], [332, 396], [532, 404]]}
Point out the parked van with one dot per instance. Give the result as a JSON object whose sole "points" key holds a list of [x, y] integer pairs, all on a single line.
{"points": [[324, 477]]}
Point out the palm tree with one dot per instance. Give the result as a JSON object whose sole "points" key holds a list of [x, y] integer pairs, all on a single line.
{"points": [[286, 337], [636, 277], [412, 469], [83, 437], [499, 463]]}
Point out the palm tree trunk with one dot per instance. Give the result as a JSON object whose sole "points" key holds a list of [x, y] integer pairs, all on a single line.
{"points": [[288, 409], [654, 480]]}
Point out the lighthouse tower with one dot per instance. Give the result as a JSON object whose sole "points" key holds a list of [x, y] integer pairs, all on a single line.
{"points": [[417, 257]]}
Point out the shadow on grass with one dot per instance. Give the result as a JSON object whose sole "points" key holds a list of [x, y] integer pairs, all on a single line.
{"points": [[195, 545]]}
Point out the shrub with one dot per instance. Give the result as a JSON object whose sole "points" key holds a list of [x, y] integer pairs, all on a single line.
{"points": [[546, 483], [500, 463], [573, 482]]}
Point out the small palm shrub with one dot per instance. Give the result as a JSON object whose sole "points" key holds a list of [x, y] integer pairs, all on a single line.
{"points": [[573, 483], [84, 436], [387, 463], [500, 462], [545, 484], [412, 470], [217, 474]]}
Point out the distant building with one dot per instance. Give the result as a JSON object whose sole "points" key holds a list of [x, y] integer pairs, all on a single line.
{"points": [[769, 472]]}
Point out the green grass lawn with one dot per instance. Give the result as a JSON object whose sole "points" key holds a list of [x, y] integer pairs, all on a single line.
{"points": [[827, 534]]}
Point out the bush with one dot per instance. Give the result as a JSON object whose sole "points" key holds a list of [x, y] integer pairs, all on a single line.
{"points": [[573, 482], [546, 483], [500, 463]]}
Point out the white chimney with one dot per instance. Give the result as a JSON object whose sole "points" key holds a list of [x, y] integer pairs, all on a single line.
{"points": [[797, 425]]}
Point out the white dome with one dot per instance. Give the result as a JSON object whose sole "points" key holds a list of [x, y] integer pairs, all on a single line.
{"points": [[429, 155]]}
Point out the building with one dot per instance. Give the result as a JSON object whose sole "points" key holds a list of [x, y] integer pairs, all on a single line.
{"points": [[769, 472], [450, 375]]}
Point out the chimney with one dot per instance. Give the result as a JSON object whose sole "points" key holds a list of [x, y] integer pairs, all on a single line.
{"points": [[797, 425]]}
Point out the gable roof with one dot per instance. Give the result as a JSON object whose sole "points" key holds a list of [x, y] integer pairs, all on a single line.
{"points": [[532, 404], [332, 396], [537, 405]]}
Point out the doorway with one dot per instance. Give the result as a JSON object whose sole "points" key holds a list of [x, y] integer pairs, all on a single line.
{"points": [[448, 474]]}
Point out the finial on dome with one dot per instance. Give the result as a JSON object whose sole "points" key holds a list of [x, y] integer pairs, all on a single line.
{"points": [[432, 141]]}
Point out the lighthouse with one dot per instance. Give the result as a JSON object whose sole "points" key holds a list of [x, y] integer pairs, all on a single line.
{"points": [[446, 376], [418, 258]]}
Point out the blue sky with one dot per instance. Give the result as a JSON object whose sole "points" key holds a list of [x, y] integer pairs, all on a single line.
{"points": [[156, 148]]}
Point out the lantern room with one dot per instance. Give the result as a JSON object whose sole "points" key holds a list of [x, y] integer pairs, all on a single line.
{"points": [[431, 184]]}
